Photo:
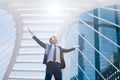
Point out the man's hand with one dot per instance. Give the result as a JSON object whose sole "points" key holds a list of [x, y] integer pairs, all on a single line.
{"points": [[76, 46], [30, 32]]}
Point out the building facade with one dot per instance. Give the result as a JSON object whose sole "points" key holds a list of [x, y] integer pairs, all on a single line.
{"points": [[98, 34]]}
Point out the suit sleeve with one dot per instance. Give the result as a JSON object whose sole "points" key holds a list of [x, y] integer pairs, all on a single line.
{"points": [[67, 50], [42, 44]]}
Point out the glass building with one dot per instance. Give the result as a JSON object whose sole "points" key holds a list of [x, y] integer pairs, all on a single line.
{"points": [[97, 32], [96, 28]]}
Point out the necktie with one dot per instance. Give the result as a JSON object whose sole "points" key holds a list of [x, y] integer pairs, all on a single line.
{"points": [[54, 56]]}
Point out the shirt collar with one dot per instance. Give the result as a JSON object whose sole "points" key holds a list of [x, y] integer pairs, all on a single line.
{"points": [[53, 45]]}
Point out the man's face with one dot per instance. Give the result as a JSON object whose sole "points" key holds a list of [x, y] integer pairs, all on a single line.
{"points": [[53, 40]]}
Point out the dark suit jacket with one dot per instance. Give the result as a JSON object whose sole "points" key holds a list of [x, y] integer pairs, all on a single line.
{"points": [[47, 48]]}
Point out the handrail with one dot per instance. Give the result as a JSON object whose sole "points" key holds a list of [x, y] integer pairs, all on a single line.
{"points": [[78, 64], [83, 72], [100, 33], [87, 58], [98, 51], [116, 25], [19, 26], [110, 9], [76, 78], [91, 64]]}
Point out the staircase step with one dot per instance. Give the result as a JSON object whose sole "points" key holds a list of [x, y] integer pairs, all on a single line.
{"points": [[29, 70], [31, 53], [38, 5], [41, 31], [27, 78], [29, 1], [39, 17], [29, 38], [41, 24], [26, 66], [30, 57], [34, 46], [28, 61], [31, 50], [27, 74]]}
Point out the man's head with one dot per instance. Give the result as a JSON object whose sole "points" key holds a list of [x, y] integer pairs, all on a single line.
{"points": [[53, 40]]}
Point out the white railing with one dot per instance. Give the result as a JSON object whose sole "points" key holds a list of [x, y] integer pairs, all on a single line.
{"points": [[74, 29], [7, 41]]}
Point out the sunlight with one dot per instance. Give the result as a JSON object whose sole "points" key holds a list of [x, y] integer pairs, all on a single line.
{"points": [[54, 9]]}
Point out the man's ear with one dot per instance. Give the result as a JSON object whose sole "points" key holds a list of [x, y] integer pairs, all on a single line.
{"points": [[50, 40]]}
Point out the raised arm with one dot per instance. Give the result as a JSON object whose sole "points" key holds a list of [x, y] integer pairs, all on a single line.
{"points": [[69, 50], [42, 44]]}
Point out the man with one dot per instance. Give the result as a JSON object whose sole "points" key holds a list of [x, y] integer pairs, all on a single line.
{"points": [[52, 57]]}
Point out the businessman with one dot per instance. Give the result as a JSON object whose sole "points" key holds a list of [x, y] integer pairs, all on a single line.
{"points": [[52, 56]]}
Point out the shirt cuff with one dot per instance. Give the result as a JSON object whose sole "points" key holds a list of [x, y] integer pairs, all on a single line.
{"points": [[33, 35]]}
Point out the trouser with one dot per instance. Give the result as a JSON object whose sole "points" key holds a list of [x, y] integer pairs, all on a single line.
{"points": [[53, 69]]}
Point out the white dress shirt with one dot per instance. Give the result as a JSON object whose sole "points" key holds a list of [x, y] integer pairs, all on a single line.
{"points": [[51, 54]]}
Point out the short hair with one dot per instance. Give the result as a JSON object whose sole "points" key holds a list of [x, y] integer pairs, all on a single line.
{"points": [[50, 39]]}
